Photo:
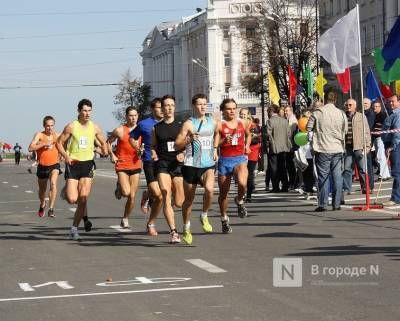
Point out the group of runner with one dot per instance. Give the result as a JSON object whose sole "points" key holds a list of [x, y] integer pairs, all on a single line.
{"points": [[176, 157]]}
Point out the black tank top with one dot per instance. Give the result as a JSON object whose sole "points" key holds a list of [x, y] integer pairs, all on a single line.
{"points": [[166, 135]]}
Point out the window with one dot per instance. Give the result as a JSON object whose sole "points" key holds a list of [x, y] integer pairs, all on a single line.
{"points": [[226, 32], [364, 39], [251, 59], [227, 86], [373, 36], [339, 7], [250, 32], [227, 60]]}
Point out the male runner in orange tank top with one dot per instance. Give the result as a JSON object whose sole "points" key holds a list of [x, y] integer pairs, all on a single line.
{"points": [[127, 163], [48, 159]]}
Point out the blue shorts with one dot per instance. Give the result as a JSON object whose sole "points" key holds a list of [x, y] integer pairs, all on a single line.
{"points": [[226, 165]]}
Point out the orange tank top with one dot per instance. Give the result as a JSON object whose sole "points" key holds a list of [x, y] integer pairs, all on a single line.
{"points": [[128, 157], [48, 155]]}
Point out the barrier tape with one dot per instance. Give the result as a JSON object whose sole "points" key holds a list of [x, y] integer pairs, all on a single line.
{"points": [[397, 130]]}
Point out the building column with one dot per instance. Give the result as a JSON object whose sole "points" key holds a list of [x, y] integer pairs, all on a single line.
{"points": [[170, 73], [185, 75], [235, 57], [215, 66]]}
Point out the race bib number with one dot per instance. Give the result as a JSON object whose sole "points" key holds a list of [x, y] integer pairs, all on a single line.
{"points": [[205, 143], [234, 140], [83, 142], [171, 146]]}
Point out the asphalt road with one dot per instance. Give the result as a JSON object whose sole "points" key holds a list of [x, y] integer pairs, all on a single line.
{"points": [[349, 261]]}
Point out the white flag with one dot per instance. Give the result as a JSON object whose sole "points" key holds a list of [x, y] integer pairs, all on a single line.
{"points": [[339, 44]]}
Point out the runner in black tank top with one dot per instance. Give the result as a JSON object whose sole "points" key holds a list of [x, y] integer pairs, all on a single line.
{"points": [[168, 162]]}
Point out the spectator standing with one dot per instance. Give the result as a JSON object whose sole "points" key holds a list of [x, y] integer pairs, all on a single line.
{"points": [[328, 125]]}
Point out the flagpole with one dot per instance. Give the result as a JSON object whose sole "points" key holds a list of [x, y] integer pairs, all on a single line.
{"points": [[351, 96], [367, 191]]}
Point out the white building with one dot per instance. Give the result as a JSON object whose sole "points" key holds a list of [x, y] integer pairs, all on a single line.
{"points": [[377, 17], [203, 53]]}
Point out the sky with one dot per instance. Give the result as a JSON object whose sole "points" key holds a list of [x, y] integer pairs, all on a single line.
{"points": [[56, 44]]}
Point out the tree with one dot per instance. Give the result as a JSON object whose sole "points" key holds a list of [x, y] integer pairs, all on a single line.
{"points": [[131, 93], [282, 34]]}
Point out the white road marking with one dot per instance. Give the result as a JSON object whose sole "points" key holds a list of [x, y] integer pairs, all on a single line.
{"points": [[372, 198], [29, 288], [72, 209], [206, 266], [111, 293], [15, 186], [120, 229], [26, 201], [29, 192], [5, 182]]}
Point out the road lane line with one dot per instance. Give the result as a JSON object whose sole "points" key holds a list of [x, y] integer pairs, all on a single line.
{"points": [[206, 266], [111, 293], [15, 186], [29, 192], [5, 182], [27, 201]]}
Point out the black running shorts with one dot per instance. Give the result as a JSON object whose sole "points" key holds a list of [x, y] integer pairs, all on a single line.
{"points": [[173, 168], [43, 172], [80, 169], [192, 175]]}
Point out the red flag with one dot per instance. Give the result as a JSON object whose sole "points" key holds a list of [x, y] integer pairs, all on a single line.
{"points": [[386, 90], [292, 84], [344, 81]]}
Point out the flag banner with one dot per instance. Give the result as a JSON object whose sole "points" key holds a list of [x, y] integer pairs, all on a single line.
{"points": [[273, 89], [391, 49], [385, 90], [397, 87], [292, 85], [308, 76], [344, 80], [373, 91], [320, 83], [339, 44], [386, 76]]}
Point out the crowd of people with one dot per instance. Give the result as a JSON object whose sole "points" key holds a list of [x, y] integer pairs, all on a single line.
{"points": [[178, 156]]}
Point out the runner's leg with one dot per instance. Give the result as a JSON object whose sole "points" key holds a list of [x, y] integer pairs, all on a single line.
{"points": [[84, 188], [123, 180], [165, 182], [177, 190], [53, 187], [130, 202]]}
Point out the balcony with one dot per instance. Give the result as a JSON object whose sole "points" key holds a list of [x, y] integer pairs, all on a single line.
{"points": [[242, 98]]}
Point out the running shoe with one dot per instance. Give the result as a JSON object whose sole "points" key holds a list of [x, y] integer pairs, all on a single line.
{"points": [[242, 210], [50, 213], [175, 238], [151, 230], [117, 192], [226, 228], [207, 228], [40, 212], [187, 237], [144, 203], [29, 170], [125, 223], [74, 235], [87, 224]]}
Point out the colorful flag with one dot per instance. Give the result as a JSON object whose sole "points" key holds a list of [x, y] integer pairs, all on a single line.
{"points": [[339, 45], [344, 80], [391, 49], [386, 76], [308, 76], [373, 91], [320, 83], [273, 89], [292, 85], [385, 90], [397, 87]]}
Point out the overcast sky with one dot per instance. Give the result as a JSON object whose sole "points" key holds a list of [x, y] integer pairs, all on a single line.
{"points": [[47, 43]]}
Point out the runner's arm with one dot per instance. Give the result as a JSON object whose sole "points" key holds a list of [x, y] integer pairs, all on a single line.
{"points": [[114, 135], [216, 141], [154, 143], [247, 137], [185, 136], [101, 139], [36, 143], [134, 137], [62, 140]]}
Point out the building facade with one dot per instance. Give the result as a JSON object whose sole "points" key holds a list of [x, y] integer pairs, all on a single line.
{"points": [[203, 53], [377, 17]]}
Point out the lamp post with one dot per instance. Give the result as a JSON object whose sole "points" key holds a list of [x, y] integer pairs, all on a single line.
{"points": [[263, 131]]}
